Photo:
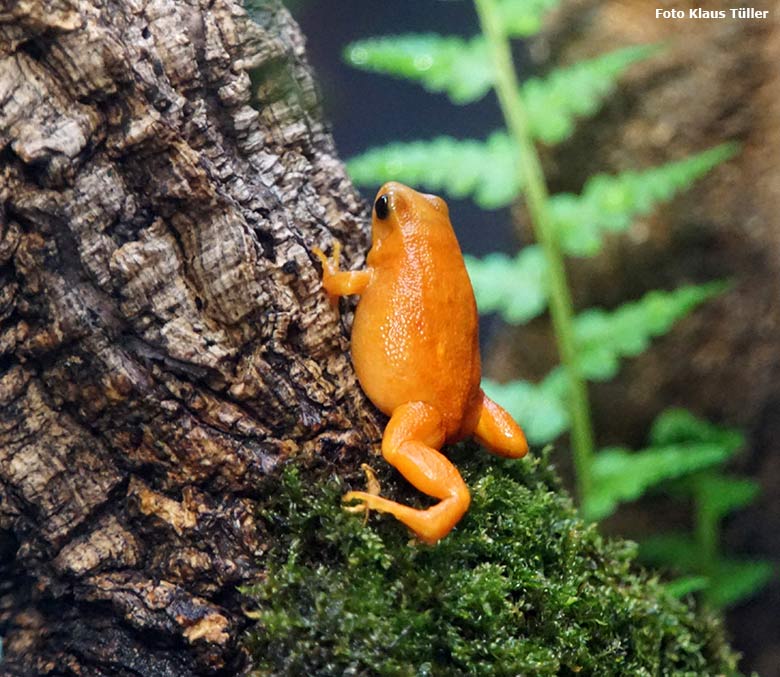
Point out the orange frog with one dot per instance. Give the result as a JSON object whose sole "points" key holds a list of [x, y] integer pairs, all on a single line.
{"points": [[416, 353]]}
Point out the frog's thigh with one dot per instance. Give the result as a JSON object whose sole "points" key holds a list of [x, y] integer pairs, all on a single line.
{"points": [[497, 431], [409, 442], [411, 438]]}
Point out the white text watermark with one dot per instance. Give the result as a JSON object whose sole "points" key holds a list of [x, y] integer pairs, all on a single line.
{"points": [[700, 13]]}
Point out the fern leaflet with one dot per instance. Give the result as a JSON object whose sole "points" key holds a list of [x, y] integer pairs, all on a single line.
{"points": [[681, 444], [611, 203], [516, 287], [554, 102], [675, 426], [620, 475], [524, 18], [686, 585], [460, 68], [457, 66], [485, 170], [603, 337], [728, 580], [719, 495], [735, 580]]}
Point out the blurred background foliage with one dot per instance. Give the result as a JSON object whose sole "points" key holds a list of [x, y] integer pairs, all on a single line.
{"points": [[420, 137]]}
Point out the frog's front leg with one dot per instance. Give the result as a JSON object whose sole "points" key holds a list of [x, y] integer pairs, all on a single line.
{"points": [[337, 282], [410, 444]]}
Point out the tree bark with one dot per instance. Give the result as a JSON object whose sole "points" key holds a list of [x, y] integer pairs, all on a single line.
{"points": [[164, 343]]}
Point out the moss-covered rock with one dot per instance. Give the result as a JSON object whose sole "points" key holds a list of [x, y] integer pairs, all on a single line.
{"points": [[521, 587]]}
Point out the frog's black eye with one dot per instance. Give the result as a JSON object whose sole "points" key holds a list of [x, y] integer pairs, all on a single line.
{"points": [[382, 207]]}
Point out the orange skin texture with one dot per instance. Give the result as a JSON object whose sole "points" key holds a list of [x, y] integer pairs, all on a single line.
{"points": [[415, 350]]}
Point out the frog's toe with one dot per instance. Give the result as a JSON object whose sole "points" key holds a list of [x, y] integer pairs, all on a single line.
{"points": [[362, 499], [368, 501]]}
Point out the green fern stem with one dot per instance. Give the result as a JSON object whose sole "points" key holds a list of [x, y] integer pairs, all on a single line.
{"points": [[532, 176], [706, 528]]}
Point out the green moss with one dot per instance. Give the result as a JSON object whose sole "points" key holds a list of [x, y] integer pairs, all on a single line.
{"points": [[521, 587]]}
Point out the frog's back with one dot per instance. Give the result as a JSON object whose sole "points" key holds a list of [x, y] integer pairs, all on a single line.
{"points": [[415, 335]]}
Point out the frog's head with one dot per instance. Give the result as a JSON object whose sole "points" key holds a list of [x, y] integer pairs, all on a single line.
{"points": [[401, 210]]}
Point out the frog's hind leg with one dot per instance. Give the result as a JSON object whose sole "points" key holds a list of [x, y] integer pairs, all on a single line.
{"points": [[410, 444], [497, 431]]}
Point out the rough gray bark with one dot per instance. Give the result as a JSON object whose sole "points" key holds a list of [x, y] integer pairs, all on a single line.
{"points": [[164, 344]]}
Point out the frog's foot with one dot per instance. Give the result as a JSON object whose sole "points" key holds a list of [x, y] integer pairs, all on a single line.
{"points": [[329, 267], [372, 489], [414, 432], [330, 270], [497, 431], [337, 282], [430, 525], [366, 502]]}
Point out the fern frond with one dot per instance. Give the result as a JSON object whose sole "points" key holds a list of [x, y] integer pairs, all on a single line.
{"points": [[603, 337], [612, 202], [681, 444], [728, 580], [686, 585], [485, 171], [619, 475], [675, 426], [523, 18], [555, 101], [672, 549], [719, 495], [537, 407], [736, 580], [458, 67], [515, 287]]}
